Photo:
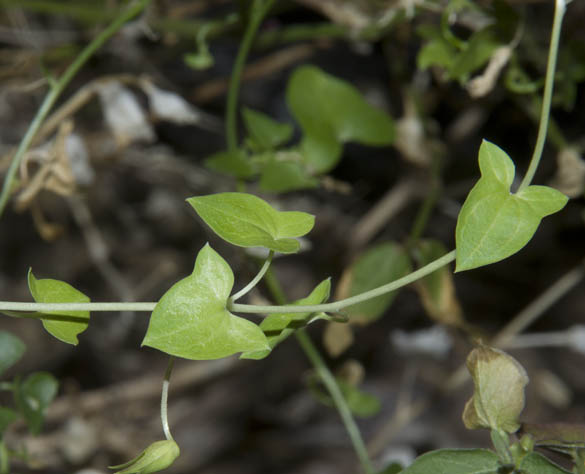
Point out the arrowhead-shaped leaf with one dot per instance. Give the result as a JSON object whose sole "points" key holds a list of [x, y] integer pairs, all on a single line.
{"points": [[248, 221], [191, 319], [64, 325], [498, 396], [278, 326], [493, 223], [455, 461], [331, 111]]}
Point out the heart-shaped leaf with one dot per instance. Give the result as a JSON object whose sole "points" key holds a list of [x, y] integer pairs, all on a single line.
{"points": [[12, 350], [493, 223], [33, 396], [191, 319], [377, 266], [455, 461], [64, 325], [265, 133], [498, 396], [248, 221], [278, 326], [331, 111]]}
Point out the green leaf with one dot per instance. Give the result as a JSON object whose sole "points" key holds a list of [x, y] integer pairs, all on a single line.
{"points": [[393, 468], [157, 457], [264, 132], [320, 150], [498, 396], [7, 417], [377, 266], [33, 396], [277, 327], [437, 52], [536, 463], [12, 349], [493, 223], [191, 319], [360, 403], [331, 110], [478, 52], [234, 164], [64, 325], [248, 221], [284, 176], [455, 461]]}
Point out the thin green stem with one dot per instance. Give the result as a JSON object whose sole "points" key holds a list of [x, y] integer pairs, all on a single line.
{"points": [[56, 89], [164, 416], [560, 7], [428, 204], [340, 403], [339, 305], [257, 12], [255, 280], [45, 307], [240, 308], [327, 377]]}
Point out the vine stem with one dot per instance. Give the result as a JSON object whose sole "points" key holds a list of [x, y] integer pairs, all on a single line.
{"points": [[255, 280], [238, 308], [328, 380], [55, 91], [257, 12], [340, 403], [164, 416], [560, 7]]}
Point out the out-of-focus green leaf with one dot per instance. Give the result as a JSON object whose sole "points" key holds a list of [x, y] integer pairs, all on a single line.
{"points": [[64, 325], [33, 396], [11, 350], [331, 111], [479, 50], [377, 266], [7, 417], [284, 176], [191, 319], [536, 463], [360, 403], [236, 164], [455, 461], [264, 132], [248, 221]]}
